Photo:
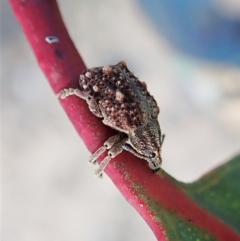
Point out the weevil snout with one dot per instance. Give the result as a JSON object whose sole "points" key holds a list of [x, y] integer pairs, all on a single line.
{"points": [[155, 164], [156, 170]]}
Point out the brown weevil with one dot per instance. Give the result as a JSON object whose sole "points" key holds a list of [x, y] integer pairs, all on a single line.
{"points": [[114, 94]]}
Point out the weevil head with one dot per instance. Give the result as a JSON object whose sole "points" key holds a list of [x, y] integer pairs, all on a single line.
{"points": [[146, 141]]}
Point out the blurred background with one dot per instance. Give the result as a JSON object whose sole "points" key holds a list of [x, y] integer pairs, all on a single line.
{"points": [[188, 53]]}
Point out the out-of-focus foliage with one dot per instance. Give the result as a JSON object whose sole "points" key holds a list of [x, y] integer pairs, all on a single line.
{"points": [[197, 27]]}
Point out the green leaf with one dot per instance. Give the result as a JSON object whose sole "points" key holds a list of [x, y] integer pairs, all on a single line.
{"points": [[208, 209], [219, 192]]}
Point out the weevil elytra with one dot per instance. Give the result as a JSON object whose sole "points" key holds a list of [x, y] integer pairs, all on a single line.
{"points": [[114, 94]]}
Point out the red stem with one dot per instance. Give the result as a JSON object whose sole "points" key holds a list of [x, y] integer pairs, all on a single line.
{"points": [[62, 65]]}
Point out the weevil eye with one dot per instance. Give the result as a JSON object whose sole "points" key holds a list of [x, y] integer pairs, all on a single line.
{"points": [[152, 155]]}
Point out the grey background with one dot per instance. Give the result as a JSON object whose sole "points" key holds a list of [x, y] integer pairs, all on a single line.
{"points": [[49, 191]]}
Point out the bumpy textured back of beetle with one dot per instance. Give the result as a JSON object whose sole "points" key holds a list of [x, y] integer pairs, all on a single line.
{"points": [[124, 101]]}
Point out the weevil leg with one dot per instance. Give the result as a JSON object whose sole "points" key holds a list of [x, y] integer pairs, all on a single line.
{"points": [[97, 154], [102, 166], [110, 142], [92, 104], [128, 148], [67, 92], [113, 152]]}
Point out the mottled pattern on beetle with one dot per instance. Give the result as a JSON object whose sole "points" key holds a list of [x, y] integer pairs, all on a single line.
{"points": [[123, 100]]}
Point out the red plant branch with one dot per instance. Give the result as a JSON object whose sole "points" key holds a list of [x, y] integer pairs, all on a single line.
{"points": [[62, 65]]}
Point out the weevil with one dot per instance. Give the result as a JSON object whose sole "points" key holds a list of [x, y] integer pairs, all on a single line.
{"points": [[123, 102]]}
